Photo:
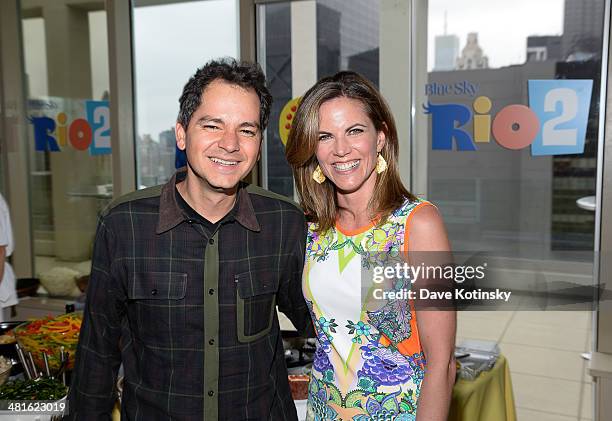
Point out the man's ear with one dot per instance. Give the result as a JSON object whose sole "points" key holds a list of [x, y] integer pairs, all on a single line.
{"points": [[180, 134]]}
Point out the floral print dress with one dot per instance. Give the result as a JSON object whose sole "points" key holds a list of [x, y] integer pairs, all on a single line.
{"points": [[369, 363]]}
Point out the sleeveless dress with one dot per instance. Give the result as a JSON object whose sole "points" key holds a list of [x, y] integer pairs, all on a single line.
{"points": [[369, 363]]}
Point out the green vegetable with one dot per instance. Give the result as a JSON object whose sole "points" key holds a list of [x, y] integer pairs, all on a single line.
{"points": [[41, 389]]}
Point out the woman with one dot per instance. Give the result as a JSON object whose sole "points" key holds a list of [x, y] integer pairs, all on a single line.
{"points": [[374, 360]]}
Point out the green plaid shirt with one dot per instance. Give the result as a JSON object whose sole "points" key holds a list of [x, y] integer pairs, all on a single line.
{"points": [[189, 313]]}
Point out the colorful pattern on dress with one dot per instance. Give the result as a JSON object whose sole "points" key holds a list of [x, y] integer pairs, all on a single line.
{"points": [[369, 363]]}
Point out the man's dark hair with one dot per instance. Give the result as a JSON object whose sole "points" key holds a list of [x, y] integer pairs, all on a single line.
{"points": [[247, 75]]}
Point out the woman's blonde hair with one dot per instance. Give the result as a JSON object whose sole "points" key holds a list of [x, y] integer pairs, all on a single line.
{"points": [[319, 200]]}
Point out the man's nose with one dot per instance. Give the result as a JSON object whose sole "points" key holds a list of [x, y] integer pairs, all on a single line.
{"points": [[229, 142]]}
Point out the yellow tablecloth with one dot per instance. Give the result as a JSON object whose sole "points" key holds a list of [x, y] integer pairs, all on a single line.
{"points": [[487, 398]]}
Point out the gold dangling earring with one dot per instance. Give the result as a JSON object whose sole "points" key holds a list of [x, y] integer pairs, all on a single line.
{"points": [[381, 164], [318, 175]]}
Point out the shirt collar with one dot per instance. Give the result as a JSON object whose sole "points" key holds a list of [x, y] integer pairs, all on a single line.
{"points": [[171, 213]]}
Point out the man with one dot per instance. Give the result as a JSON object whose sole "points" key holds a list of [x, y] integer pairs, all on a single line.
{"points": [[186, 277]]}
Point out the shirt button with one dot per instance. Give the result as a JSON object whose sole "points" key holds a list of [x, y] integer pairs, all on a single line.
{"points": [[154, 291], [211, 241], [190, 221], [211, 393], [211, 292], [211, 342]]}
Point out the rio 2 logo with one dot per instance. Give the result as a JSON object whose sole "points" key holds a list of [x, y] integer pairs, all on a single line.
{"points": [[91, 133], [554, 123]]}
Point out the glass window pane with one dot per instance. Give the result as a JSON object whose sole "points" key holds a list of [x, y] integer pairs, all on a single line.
{"points": [[514, 202], [346, 38], [170, 42], [66, 64], [277, 23]]}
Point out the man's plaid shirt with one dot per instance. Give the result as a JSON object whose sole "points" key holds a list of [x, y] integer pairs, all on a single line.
{"points": [[191, 315]]}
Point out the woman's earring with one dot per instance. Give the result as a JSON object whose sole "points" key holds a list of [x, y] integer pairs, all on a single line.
{"points": [[381, 164], [318, 175]]}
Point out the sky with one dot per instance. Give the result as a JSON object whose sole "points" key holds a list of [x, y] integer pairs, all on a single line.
{"points": [[502, 26]]}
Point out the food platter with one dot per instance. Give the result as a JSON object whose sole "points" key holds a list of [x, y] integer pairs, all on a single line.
{"points": [[42, 351]]}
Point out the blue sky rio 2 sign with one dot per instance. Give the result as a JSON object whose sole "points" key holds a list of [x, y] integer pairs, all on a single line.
{"points": [[554, 123]]}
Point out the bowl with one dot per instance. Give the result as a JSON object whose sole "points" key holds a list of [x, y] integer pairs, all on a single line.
{"points": [[50, 391], [7, 348], [5, 369], [47, 336]]}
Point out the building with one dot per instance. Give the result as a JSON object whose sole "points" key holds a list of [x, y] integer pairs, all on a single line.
{"points": [[278, 72], [472, 56], [344, 34], [446, 52], [357, 28], [582, 27], [542, 48], [329, 45], [366, 63]]}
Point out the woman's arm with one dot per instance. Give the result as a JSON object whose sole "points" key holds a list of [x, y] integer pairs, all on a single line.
{"points": [[427, 237]]}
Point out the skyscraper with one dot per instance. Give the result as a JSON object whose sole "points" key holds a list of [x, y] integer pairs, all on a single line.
{"points": [[582, 29], [541, 48], [447, 52], [357, 28], [472, 56]]}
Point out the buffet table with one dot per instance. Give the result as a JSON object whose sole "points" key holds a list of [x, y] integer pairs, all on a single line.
{"points": [[488, 397], [40, 306]]}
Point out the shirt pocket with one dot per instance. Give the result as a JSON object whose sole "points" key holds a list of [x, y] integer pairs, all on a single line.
{"points": [[255, 304], [158, 301]]}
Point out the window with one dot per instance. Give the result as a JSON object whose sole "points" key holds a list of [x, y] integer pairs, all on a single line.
{"points": [[170, 42]]}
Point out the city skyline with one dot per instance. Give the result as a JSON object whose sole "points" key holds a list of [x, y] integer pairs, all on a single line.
{"points": [[502, 49]]}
